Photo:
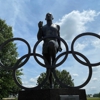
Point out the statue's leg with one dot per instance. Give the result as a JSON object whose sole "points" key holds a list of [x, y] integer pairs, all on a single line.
{"points": [[52, 52], [48, 58], [53, 45], [53, 57], [50, 79]]}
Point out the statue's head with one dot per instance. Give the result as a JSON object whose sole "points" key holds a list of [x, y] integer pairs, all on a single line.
{"points": [[49, 16]]}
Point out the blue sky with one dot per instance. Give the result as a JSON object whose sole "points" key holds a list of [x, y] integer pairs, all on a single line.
{"points": [[74, 17]]}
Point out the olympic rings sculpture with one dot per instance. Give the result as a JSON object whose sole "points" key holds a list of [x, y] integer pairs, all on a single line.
{"points": [[19, 62]]}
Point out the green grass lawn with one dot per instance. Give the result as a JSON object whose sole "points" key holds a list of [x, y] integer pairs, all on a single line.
{"points": [[93, 98]]}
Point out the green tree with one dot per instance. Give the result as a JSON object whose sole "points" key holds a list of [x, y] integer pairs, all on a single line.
{"points": [[96, 95], [8, 57], [63, 76]]}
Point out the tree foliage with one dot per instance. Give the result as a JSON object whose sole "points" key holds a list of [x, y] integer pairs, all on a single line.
{"points": [[8, 57], [63, 76], [96, 95]]}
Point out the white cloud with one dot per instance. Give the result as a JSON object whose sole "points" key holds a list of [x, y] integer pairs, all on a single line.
{"points": [[11, 10], [93, 88], [80, 46], [27, 84], [33, 80], [75, 23], [96, 69], [95, 79], [96, 43], [75, 75], [31, 83]]}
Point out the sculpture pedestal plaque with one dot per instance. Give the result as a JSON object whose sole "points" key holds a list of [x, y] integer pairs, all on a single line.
{"points": [[52, 94], [69, 97]]}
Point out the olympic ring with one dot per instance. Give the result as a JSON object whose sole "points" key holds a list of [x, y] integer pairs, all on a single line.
{"points": [[36, 87], [72, 48], [18, 83], [54, 65], [48, 67], [25, 56], [89, 76], [29, 51]]}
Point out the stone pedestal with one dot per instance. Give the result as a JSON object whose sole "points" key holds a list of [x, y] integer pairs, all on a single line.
{"points": [[51, 94]]}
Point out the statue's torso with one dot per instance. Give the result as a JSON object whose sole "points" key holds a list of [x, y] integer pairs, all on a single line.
{"points": [[47, 31], [51, 30]]}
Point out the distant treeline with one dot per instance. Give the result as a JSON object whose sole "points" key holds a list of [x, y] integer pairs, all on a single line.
{"points": [[94, 95]]}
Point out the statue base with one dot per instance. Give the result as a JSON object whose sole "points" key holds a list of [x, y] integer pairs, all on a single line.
{"points": [[53, 94]]}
